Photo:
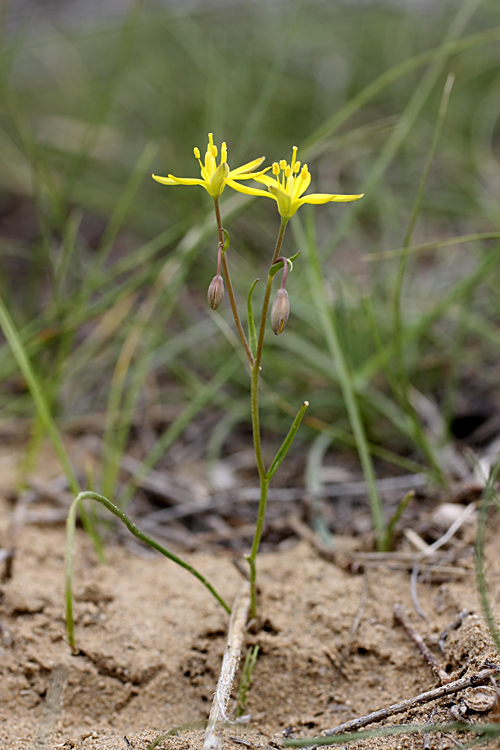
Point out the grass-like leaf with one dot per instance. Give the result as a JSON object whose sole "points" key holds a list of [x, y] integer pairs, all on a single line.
{"points": [[70, 555]]}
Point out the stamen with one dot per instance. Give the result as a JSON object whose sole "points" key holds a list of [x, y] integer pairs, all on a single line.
{"points": [[296, 167], [282, 164], [196, 151], [223, 153], [276, 168], [288, 171]]}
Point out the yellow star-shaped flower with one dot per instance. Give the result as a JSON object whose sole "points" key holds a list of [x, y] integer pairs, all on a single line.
{"points": [[214, 177], [288, 185]]}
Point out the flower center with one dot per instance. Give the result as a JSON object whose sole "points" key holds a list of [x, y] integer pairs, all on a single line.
{"points": [[210, 166], [286, 174]]}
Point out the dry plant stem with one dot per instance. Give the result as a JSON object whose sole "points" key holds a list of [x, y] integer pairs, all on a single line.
{"points": [[235, 638], [481, 678], [400, 615], [51, 707]]}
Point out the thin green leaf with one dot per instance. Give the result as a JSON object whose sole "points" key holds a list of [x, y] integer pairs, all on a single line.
{"points": [[226, 240], [287, 442], [279, 265], [70, 547]]}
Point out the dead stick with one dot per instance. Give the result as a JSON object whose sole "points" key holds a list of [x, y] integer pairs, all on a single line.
{"points": [[51, 707], [481, 678], [235, 638], [419, 642]]}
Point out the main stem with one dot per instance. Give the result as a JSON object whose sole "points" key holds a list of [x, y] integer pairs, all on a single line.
{"points": [[254, 396]]}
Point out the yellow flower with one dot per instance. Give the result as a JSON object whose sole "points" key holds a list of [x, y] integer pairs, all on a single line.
{"points": [[214, 177], [287, 186]]}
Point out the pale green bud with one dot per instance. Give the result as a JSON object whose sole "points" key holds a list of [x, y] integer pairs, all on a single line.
{"points": [[280, 311], [215, 292]]}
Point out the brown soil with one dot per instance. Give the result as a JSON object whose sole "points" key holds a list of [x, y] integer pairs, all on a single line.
{"points": [[151, 641]]}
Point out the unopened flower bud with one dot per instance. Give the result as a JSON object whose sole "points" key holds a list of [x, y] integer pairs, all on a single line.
{"points": [[280, 311], [215, 292]]}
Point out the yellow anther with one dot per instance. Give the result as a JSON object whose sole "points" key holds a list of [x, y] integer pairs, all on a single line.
{"points": [[304, 172], [213, 151], [223, 153], [288, 171], [197, 152], [296, 167], [276, 168], [282, 164]]}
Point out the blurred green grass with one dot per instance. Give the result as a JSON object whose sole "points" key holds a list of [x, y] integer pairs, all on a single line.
{"points": [[100, 265]]}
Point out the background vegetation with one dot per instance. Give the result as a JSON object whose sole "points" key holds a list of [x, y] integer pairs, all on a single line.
{"points": [[105, 272]]}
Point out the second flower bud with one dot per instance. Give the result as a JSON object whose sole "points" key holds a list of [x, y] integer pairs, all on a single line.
{"points": [[215, 292], [280, 311]]}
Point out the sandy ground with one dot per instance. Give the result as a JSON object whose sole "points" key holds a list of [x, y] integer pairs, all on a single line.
{"points": [[150, 642]]}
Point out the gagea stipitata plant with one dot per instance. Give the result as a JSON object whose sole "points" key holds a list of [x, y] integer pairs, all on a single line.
{"points": [[287, 186]]}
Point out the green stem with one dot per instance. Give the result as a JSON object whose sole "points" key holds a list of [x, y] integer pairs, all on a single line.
{"points": [[267, 296], [254, 395], [230, 290], [252, 557]]}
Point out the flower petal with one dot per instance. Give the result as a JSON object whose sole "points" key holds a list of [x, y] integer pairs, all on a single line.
{"points": [[247, 175], [164, 180], [248, 167], [248, 190], [302, 182], [186, 181], [269, 181], [326, 197]]}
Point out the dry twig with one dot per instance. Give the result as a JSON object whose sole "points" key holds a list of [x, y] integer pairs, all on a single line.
{"points": [[481, 678], [235, 637], [417, 639]]}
